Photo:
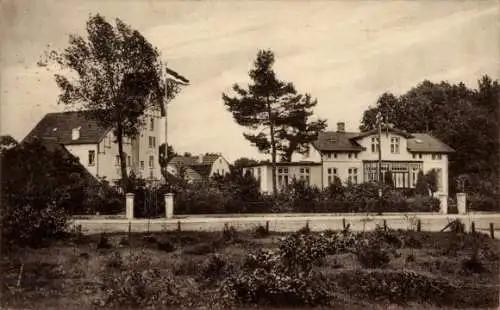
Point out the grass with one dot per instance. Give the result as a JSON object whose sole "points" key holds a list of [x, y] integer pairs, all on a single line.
{"points": [[69, 273]]}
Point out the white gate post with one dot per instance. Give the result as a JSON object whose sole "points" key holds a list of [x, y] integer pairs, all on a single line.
{"points": [[443, 204], [461, 203], [169, 205], [129, 206]]}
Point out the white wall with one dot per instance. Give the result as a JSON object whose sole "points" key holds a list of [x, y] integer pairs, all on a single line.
{"points": [[81, 151], [220, 166], [313, 155], [145, 151], [342, 162]]}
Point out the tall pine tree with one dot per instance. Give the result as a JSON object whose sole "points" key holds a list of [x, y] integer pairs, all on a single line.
{"points": [[274, 111]]}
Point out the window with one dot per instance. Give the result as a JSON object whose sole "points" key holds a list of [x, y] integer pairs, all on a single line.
{"points": [[420, 156], [151, 124], [414, 156], [414, 176], [356, 155], [331, 173], [375, 145], [436, 156], [117, 160], [107, 142], [395, 145], [282, 177], [91, 158], [129, 160], [349, 155], [151, 162], [151, 174], [152, 142], [353, 175], [304, 175], [142, 164]]}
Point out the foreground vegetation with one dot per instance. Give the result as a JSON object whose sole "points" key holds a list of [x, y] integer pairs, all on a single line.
{"points": [[401, 269]]}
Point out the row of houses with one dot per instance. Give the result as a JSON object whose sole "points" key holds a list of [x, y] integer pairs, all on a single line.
{"points": [[349, 156]]}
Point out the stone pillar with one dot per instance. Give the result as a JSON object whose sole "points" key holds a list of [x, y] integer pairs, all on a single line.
{"points": [[443, 204], [129, 206], [461, 203], [169, 205]]}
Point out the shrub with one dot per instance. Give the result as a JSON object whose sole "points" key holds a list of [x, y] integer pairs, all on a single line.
{"points": [[200, 248], [138, 285], [406, 286], [372, 254], [260, 232], [166, 246], [44, 185], [213, 267], [478, 202]]}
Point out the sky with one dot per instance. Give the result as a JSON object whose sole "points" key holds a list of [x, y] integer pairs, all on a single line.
{"points": [[344, 53]]}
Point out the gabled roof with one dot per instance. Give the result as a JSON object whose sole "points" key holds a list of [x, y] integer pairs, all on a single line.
{"points": [[346, 141], [422, 142], [384, 129], [196, 167], [331, 141], [59, 126], [207, 159], [54, 146]]}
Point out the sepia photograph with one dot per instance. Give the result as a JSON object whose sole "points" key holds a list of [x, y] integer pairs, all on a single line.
{"points": [[217, 154]]}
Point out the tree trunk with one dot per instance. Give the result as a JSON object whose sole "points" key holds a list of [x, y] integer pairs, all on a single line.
{"points": [[123, 159], [273, 147]]}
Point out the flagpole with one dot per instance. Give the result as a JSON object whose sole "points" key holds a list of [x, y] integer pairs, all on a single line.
{"points": [[379, 119]]}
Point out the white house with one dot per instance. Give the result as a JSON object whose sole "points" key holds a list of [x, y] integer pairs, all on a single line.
{"points": [[353, 156], [197, 168], [95, 145]]}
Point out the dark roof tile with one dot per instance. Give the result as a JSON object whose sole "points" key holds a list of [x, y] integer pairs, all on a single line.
{"points": [[59, 126]]}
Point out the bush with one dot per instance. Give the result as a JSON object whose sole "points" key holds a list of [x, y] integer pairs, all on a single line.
{"points": [[282, 277], [138, 285], [42, 188], [406, 286], [478, 202], [372, 254]]}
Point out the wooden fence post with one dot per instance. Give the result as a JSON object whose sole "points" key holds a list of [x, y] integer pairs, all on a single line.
{"points": [[492, 231], [473, 227], [419, 225], [385, 224], [343, 223], [267, 227], [179, 226]]}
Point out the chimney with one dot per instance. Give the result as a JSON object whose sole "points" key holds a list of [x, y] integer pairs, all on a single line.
{"points": [[75, 133], [340, 127], [200, 159]]}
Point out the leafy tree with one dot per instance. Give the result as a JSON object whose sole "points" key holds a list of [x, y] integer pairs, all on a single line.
{"points": [[44, 185], [165, 158], [388, 179], [464, 118], [7, 142], [244, 162], [187, 154], [274, 112], [432, 181], [116, 75], [421, 188]]}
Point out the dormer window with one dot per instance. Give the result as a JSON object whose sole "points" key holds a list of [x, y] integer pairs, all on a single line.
{"points": [[395, 145], [375, 145], [75, 133]]}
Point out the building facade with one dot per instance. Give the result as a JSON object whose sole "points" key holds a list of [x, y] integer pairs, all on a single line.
{"points": [[96, 147], [198, 168], [353, 157]]}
